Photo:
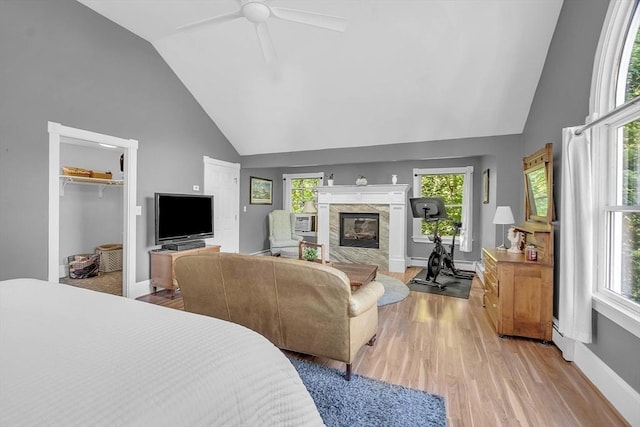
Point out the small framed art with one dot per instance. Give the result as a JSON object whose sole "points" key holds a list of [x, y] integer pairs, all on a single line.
{"points": [[485, 186], [261, 191]]}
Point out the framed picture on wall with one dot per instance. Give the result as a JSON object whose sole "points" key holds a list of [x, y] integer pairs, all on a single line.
{"points": [[261, 191], [485, 186]]}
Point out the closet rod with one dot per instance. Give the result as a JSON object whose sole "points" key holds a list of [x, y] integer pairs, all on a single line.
{"points": [[610, 114]]}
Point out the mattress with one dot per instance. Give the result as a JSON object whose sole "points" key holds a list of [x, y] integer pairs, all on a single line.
{"points": [[70, 356]]}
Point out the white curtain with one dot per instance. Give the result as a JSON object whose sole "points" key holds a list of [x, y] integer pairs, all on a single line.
{"points": [[466, 232], [576, 237]]}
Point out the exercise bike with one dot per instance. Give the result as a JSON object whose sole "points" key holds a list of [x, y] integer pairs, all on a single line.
{"points": [[440, 261]]}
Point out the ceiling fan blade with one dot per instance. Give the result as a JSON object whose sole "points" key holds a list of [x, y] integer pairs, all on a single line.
{"points": [[328, 22], [212, 20], [268, 51]]}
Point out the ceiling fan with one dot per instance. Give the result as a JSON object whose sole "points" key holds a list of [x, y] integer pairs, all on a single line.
{"points": [[257, 11]]}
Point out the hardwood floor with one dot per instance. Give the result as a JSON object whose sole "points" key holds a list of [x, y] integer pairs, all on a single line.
{"points": [[447, 346]]}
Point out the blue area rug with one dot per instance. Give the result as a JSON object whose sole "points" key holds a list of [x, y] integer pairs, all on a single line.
{"points": [[367, 402], [394, 290]]}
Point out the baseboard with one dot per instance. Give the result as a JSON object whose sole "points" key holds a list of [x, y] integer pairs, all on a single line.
{"points": [[460, 264], [264, 252], [139, 289], [621, 395]]}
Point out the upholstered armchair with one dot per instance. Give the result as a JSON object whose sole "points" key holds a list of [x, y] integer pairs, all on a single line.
{"points": [[282, 233]]}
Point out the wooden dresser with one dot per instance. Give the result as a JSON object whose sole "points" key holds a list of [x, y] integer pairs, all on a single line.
{"points": [[162, 261], [518, 294]]}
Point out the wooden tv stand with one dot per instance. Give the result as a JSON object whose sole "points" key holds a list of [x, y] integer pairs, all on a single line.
{"points": [[162, 262]]}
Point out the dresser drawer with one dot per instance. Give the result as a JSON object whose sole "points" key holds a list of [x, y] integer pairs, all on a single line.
{"points": [[490, 275], [491, 305]]}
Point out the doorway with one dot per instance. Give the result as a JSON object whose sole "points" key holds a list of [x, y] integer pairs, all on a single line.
{"points": [[222, 180], [60, 134]]}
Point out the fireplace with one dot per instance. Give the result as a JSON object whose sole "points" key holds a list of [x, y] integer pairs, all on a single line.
{"points": [[360, 230]]}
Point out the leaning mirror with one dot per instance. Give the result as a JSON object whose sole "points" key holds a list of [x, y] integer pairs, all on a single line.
{"points": [[538, 175]]}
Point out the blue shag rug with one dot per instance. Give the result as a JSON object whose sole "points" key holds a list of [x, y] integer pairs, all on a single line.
{"points": [[367, 402], [394, 290]]}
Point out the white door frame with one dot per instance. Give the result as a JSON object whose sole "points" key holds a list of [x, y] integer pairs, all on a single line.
{"points": [[60, 134]]}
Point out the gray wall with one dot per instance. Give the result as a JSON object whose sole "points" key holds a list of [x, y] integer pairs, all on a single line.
{"points": [[562, 100], [254, 226], [62, 62], [502, 155]]}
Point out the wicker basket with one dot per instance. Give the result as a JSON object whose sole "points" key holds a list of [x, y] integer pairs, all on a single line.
{"points": [[110, 257], [102, 175], [83, 265], [73, 171]]}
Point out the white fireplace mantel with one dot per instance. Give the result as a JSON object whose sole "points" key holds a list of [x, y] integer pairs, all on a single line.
{"points": [[393, 196]]}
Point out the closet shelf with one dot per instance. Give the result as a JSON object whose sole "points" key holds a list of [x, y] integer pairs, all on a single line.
{"points": [[100, 182]]}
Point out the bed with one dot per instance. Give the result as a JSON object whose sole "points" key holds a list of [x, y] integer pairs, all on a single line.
{"points": [[71, 356]]}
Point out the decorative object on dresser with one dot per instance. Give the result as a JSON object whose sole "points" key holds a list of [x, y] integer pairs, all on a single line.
{"points": [[517, 240], [361, 180], [503, 216]]}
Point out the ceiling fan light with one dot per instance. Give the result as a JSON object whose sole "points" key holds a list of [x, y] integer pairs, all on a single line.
{"points": [[256, 12]]}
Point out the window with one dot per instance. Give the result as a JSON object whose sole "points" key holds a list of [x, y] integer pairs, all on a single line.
{"points": [[621, 219], [300, 189], [616, 145], [455, 186]]}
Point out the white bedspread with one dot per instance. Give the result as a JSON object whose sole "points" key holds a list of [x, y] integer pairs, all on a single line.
{"points": [[69, 356]]}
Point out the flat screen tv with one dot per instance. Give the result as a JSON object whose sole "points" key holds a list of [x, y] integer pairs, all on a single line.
{"points": [[183, 217]]}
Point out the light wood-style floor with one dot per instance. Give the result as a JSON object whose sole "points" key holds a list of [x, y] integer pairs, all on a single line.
{"points": [[447, 346]]}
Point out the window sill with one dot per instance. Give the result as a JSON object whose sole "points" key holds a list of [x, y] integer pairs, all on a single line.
{"points": [[307, 233], [619, 314], [425, 239]]}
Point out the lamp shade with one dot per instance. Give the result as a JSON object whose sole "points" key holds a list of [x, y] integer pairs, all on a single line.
{"points": [[503, 215], [309, 207]]}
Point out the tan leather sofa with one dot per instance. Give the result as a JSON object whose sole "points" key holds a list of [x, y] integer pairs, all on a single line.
{"points": [[298, 305]]}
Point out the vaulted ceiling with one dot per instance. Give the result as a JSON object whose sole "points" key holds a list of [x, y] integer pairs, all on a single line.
{"points": [[402, 71]]}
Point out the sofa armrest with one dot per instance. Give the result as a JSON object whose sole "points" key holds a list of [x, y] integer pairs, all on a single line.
{"points": [[365, 298]]}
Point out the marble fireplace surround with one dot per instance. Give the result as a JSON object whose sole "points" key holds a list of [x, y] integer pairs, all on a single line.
{"points": [[390, 201]]}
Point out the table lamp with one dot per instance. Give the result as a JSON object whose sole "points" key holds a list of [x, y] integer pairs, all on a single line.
{"points": [[309, 207], [503, 216]]}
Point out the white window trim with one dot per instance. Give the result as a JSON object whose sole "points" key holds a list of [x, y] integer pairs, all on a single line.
{"points": [[605, 95], [417, 235], [286, 186]]}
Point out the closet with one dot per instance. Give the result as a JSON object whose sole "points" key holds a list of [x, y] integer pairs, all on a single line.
{"points": [[91, 209], [86, 213]]}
